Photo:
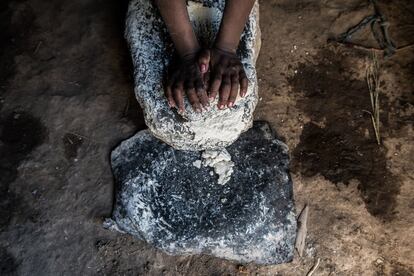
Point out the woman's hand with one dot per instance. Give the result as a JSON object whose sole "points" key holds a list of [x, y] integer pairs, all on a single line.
{"points": [[186, 76], [227, 75]]}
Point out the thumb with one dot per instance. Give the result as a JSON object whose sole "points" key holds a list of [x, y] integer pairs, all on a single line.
{"points": [[204, 60]]}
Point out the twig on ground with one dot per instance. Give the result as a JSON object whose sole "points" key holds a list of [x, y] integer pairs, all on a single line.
{"points": [[84, 137], [356, 46], [302, 230], [314, 267], [69, 140], [367, 48], [37, 47], [372, 78]]}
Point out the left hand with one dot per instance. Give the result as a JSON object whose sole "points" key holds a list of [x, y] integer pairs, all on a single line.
{"points": [[185, 76]]}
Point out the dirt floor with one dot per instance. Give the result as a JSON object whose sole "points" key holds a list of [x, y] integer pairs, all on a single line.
{"points": [[67, 99]]}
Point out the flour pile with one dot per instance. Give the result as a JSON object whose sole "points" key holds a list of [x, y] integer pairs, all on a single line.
{"points": [[219, 161]]}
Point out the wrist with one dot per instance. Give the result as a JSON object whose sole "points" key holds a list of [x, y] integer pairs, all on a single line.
{"points": [[187, 45], [224, 50], [228, 48], [189, 53]]}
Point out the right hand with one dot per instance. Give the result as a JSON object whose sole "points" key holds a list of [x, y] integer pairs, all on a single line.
{"points": [[227, 77], [186, 76]]}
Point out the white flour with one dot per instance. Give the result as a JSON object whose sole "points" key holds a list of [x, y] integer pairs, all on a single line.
{"points": [[220, 161], [197, 164]]}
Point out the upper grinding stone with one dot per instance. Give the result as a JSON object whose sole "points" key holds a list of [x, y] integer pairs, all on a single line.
{"points": [[151, 49]]}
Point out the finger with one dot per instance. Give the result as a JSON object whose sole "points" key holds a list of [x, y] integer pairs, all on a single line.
{"points": [[224, 92], [234, 90], [215, 84], [206, 80], [169, 95], [178, 96], [201, 93], [204, 60], [244, 83], [192, 97]]}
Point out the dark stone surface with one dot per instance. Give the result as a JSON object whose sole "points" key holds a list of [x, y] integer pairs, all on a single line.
{"points": [[163, 199]]}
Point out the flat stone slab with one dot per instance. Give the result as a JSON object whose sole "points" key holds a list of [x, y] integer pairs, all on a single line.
{"points": [[179, 208]]}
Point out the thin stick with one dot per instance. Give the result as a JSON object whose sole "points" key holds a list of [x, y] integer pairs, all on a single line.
{"points": [[372, 78], [314, 268], [302, 230], [37, 47], [78, 135]]}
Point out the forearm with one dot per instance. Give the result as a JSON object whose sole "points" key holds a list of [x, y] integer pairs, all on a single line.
{"points": [[235, 16], [175, 16]]}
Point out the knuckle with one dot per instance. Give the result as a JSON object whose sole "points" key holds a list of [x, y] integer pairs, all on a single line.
{"points": [[191, 100], [200, 93], [200, 90], [199, 84], [220, 69], [188, 84], [176, 86], [225, 82], [217, 77], [190, 93]]}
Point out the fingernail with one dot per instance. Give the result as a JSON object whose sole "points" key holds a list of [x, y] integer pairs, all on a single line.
{"points": [[203, 68], [230, 104], [221, 106]]}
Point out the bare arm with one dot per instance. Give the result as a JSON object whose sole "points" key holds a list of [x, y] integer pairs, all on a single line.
{"points": [[235, 16], [175, 16], [186, 74], [227, 70]]}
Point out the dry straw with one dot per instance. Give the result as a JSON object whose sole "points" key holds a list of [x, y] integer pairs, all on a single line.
{"points": [[372, 78]]}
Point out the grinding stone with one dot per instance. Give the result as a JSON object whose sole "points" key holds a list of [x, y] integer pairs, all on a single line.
{"points": [[163, 199]]}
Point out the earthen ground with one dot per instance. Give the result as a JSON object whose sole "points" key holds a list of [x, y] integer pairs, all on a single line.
{"points": [[67, 99]]}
